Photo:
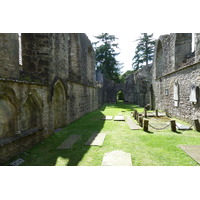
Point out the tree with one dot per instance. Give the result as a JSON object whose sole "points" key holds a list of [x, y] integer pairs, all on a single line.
{"points": [[105, 51], [144, 51]]}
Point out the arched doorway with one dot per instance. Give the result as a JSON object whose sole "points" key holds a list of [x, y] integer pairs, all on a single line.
{"points": [[120, 96]]}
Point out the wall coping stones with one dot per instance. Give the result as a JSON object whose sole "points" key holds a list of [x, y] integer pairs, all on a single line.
{"points": [[19, 81]]}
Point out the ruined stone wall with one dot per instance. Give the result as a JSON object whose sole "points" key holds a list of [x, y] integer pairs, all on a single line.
{"points": [[54, 86], [179, 74]]}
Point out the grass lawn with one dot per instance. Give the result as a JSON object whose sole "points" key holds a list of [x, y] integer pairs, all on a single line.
{"points": [[157, 148]]}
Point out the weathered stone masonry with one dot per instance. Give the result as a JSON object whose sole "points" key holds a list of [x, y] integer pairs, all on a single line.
{"points": [[54, 86], [176, 75]]}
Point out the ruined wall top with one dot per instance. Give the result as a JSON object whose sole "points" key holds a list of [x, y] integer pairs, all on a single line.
{"points": [[46, 56], [174, 51]]}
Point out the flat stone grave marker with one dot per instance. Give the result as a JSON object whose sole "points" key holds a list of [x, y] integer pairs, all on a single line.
{"points": [[108, 118], [119, 118], [117, 158], [96, 139], [192, 150], [57, 130], [17, 162], [183, 127], [67, 144], [132, 124]]}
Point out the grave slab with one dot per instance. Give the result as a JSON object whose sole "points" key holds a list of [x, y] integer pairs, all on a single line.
{"points": [[67, 144], [192, 150], [133, 126], [17, 162], [96, 139], [183, 127], [117, 158], [119, 118], [108, 118]]}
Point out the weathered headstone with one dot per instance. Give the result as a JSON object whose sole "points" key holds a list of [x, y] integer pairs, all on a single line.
{"points": [[96, 139], [117, 158], [67, 144]]}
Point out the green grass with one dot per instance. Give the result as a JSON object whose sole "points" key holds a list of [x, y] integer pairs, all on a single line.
{"points": [[157, 148]]}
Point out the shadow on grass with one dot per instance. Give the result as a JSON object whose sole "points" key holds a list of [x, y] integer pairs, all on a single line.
{"points": [[46, 152]]}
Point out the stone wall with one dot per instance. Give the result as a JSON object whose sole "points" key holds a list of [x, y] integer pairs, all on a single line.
{"points": [[54, 86], [175, 72], [136, 88]]}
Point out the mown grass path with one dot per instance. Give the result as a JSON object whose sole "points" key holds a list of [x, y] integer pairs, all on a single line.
{"points": [[158, 148]]}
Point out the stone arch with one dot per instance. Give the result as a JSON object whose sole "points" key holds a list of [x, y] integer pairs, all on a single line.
{"points": [[59, 104], [9, 109], [32, 110], [159, 59], [120, 95]]}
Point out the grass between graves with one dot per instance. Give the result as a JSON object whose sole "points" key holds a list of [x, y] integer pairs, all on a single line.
{"points": [[156, 148]]}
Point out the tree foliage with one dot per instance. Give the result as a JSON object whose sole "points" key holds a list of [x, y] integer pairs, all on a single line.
{"points": [[105, 51], [144, 51]]}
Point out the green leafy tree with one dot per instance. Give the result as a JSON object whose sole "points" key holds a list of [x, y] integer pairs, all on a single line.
{"points": [[144, 51], [105, 51]]}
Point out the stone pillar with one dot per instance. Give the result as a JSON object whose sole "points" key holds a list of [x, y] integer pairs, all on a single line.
{"points": [[9, 55], [173, 125], [140, 121], [146, 124], [197, 125], [156, 112], [197, 47]]}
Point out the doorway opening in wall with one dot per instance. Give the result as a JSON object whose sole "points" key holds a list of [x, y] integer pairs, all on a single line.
{"points": [[120, 96]]}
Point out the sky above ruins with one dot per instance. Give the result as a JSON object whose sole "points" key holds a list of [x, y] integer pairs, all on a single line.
{"points": [[127, 44]]}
